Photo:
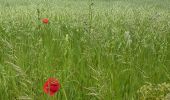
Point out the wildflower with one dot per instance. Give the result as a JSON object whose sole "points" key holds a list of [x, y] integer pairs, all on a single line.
{"points": [[45, 20], [167, 96], [67, 37], [127, 37], [51, 86]]}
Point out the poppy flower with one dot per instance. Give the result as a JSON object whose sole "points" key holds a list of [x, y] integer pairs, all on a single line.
{"points": [[51, 86], [45, 20]]}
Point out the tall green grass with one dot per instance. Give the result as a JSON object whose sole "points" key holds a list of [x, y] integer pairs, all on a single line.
{"points": [[99, 50]]}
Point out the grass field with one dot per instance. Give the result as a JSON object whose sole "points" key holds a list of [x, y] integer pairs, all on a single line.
{"points": [[98, 50]]}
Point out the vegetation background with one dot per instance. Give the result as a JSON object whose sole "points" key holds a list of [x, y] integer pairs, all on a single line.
{"points": [[98, 49]]}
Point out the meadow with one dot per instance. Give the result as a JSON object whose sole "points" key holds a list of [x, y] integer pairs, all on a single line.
{"points": [[97, 49]]}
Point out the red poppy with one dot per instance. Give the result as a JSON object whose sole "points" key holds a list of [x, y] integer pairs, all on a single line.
{"points": [[51, 86], [45, 20]]}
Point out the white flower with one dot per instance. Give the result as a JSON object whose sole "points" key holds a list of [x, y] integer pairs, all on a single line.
{"points": [[127, 38]]}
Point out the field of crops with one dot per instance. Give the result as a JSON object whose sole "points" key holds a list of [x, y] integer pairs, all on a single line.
{"points": [[96, 49]]}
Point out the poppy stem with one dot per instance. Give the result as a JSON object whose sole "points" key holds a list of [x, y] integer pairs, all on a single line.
{"points": [[38, 17], [91, 3], [64, 93]]}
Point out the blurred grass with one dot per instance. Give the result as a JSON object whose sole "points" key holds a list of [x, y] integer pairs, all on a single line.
{"points": [[105, 51]]}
